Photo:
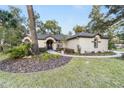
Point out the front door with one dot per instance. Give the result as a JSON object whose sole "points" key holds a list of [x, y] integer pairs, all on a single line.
{"points": [[49, 44]]}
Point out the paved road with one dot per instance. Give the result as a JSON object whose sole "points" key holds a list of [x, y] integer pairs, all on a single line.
{"points": [[118, 54]]}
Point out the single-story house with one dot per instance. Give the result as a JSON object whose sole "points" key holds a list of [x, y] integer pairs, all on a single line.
{"points": [[87, 42]]}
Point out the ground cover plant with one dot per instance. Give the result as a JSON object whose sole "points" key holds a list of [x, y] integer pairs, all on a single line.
{"points": [[19, 51], [79, 72], [29, 64], [93, 53], [22, 66], [99, 53], [120, 49]]}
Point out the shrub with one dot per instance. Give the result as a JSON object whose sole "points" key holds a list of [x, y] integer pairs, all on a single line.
{"points": [[59, 49], [122, 56], [99, 52], [47, 56], [69, 51], [93, 52], [4, 48], [1, 48], [85, 52], [79, 49], [111, 46], [19, 51], [42, 49]]}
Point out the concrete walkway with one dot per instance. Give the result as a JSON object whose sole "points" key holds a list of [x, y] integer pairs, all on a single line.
{"points": [[118, 54]]}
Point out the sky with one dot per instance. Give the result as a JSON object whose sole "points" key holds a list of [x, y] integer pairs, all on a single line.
{"points": [[67, 15]]}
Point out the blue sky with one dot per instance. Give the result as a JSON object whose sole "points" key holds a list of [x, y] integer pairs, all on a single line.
{"points": [[66, 15]]}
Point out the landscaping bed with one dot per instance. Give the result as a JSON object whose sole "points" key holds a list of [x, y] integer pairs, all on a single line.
{"points": [[99, 54], [94, 54], [33, 64]]}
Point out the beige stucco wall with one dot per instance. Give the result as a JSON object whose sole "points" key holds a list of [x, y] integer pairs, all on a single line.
{"points": [[42, 43], [72, 44], [87, 45]]}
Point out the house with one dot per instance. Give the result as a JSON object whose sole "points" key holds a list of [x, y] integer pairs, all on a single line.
{"points": [[86, 42]]}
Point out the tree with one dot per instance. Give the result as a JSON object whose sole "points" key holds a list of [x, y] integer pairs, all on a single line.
{"points": [[9, 34], [18, 32], [32, 27], [121, 37], [39, 24], [52, 26], [97, 20], [40, 28], [115, 21], [106, 23], [78, 29], [117, 11]]}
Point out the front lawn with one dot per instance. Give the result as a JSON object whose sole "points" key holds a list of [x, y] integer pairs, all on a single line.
{"points": [[80, 72], [120, 49]]}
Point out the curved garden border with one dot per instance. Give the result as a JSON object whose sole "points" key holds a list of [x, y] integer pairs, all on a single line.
{"points": [[118, 54], [27, 65]]}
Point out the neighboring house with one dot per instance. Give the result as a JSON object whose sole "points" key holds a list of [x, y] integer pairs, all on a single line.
{"points": [[87, 42]]}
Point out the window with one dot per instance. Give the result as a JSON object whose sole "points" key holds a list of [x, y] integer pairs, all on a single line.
{"points": [[95, 43]]}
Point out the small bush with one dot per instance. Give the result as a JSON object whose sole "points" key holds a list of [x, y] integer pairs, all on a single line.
{"points": [[93, 52], [79, 49], [59, 49], [85, 52], [99, 52], [42, 49], [69, 51], [19, 51], [122, 56], [47, 56], [4, 48], [1, 48], [111, 46]]}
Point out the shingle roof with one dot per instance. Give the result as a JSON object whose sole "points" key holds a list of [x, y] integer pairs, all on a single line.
{"points": [[66, 37], [86, 35], [57, 36]]}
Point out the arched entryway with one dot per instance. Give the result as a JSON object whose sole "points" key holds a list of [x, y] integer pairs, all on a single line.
{"points": [[49, 44], [27, 41]]}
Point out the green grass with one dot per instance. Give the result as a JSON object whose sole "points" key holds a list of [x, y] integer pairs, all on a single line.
{"points": [[120, 49], [4, 56], [47, 56], [80, 72]]}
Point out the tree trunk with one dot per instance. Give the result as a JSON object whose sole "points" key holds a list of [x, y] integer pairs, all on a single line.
{"points": [[32, 25]]}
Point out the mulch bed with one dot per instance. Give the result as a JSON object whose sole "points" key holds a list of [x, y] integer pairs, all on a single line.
{"points": [[27, 65], [95, 54]]}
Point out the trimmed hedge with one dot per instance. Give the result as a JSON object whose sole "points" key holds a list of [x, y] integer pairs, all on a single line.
{"points": [[69, 51], [42, 49], [59, 49]]}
